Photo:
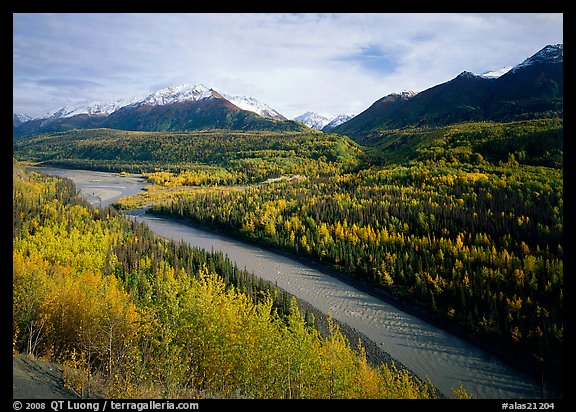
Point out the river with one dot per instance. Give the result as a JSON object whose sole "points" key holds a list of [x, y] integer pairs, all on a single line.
{"points": [[426, 350]]}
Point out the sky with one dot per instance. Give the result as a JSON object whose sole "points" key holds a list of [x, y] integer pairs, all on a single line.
{"points": [[328, 63]]}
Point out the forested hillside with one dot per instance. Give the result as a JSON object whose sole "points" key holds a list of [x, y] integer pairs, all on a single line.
{"points": [[236, 157], [131, 315], [530, 90], [530, 142]]}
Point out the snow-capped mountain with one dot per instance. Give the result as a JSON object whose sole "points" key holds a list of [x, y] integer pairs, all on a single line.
{"points": [[19, 118], [553, 53], [92, 109], [408, 94], [196, 92], [183, 107], [177, 94], [162, 97], [253, 105], [337, 121], [549, 54], [532, 89], [314, 120], [322, 121]]}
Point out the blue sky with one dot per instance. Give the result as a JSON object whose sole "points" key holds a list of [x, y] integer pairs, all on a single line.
{"points": [[331, 63]]}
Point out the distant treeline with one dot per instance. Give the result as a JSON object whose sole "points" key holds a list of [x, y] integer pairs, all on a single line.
{"points": [[246, 156]]}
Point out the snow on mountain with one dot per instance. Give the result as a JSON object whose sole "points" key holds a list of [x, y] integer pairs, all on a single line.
{"points": [[177, 94], [337, 121], [408, 94], [94, 109], [166, 96], [467, 74], [315, 120], [494, 74], [187, 92], [19, 118], [253, 105], [322, 121], [550, 53], [553, 53]]}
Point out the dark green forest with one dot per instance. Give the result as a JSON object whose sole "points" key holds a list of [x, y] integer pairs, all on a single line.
{"points": [[246, 156]]}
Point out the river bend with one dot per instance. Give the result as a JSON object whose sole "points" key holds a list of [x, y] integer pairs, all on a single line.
{"points": [[426, 350]]}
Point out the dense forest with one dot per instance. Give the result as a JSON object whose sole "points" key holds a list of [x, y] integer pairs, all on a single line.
{"points": [[134, 316], [469, 229], [220, 156], [461, 223]]}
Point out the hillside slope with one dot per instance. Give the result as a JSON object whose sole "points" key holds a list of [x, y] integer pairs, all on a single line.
{"points": [[533, 89], [35, 379], [181, 108]]}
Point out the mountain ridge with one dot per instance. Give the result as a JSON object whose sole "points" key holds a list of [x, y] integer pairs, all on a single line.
{"points": [[531, 89], [176, 108], [322, 121], [314, 120]]}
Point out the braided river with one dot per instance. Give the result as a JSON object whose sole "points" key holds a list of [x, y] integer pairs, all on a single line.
{"points": [[428, 351]]}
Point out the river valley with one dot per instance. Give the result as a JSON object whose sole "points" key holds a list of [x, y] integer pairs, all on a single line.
{"points": [[428, 351]]}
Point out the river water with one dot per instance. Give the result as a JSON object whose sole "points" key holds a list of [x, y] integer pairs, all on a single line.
{"points": [[426, 350]]}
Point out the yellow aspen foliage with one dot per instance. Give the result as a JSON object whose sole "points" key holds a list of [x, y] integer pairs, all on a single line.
{"points": [[180, 331]]}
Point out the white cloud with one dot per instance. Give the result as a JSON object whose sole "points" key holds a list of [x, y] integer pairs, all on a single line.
{"points": [[293, 62]]}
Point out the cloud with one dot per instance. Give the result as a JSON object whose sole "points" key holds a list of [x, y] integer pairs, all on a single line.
{"points": [[372, 57], [68, 83], [337, 62]]}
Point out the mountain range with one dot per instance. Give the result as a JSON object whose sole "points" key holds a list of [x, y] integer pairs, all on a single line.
{"points": [[178, 108], [531, 89], [321, 121]]}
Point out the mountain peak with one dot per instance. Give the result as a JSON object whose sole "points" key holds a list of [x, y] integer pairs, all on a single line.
{"points": [[494, 74], [314, 120], [467, 75], [253, 105], [176, 94], [395, 97], [19, 118], [534, 92], [163, 97], [96, 108], [337, 121], [323, 121], [552, 53], [183, 107]]}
